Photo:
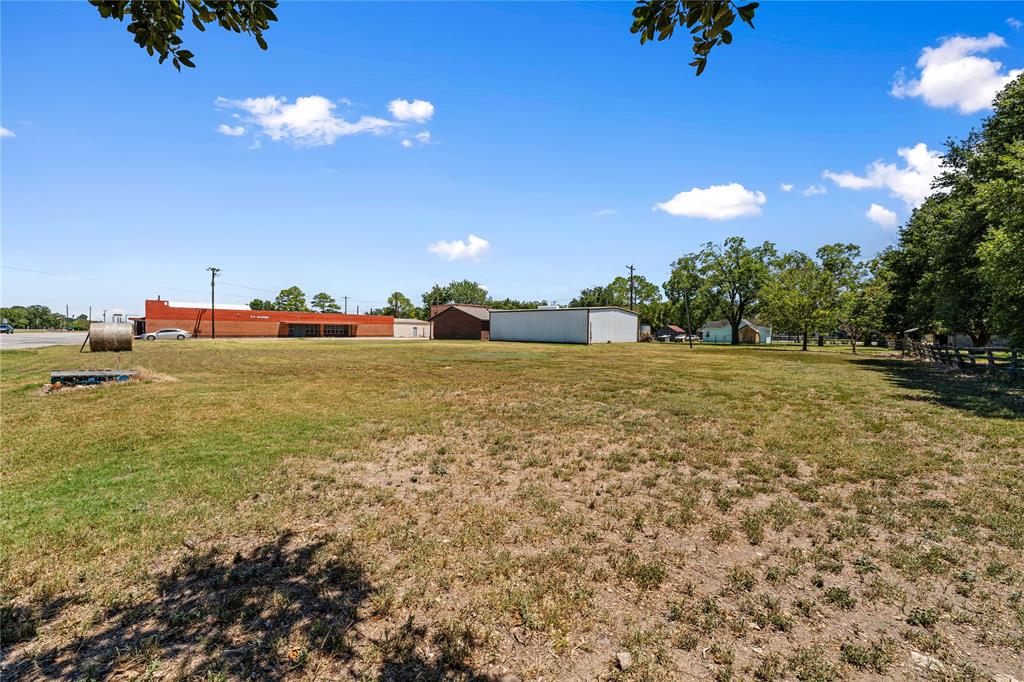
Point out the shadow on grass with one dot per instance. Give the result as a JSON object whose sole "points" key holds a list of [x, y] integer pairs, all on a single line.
{"points": [[269, 614], [981, 395]]}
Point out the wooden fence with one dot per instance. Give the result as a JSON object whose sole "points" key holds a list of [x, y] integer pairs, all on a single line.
{"points": [[993, 360]]}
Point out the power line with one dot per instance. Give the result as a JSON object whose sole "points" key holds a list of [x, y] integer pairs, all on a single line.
{"points": [[242, 286]]}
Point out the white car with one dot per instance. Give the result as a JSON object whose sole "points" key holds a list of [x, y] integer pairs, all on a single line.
{"points": [[179, 334]]}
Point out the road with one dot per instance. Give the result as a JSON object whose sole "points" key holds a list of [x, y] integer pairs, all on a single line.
{"points": [[21, 340]]}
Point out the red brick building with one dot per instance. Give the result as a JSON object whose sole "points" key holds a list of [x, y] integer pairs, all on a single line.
{"points": [[460, 321], [234, 320]]}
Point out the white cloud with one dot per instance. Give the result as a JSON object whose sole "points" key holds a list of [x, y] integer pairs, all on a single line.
{"points": [[717, 202], [911, 183], [952, 75], [786, 187], [1016, 24], [256, 144], [815, 190], [417, 110], [308, 122], [882, 216], [6, 132], [472, 249], [604, 211], [422, 137], [232, 131]]}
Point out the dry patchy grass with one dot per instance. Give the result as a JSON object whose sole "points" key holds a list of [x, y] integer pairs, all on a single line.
{"points": [[440, 510]]}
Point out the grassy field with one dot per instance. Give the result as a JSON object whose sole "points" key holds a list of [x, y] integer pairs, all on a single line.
{"points": [[444, 510]]}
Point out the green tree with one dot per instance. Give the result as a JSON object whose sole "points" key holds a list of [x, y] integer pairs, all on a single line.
{"points": [[591, 297], [291, 299], [861, 306], [954, 269], [438, 295], [646, 298], [803, 295], [707, 21], [155, 25], [467, 291], [32, 317], [463, 291], [735, 276], [324, 303], [644, 292], [399, 305], [261, 304], [513, 304], [1002, 251], [686, 291]]}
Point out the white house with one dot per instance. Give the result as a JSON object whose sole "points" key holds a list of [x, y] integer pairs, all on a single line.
{"points": [[720, 331]]}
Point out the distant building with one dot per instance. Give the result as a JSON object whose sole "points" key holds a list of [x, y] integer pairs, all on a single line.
{"points": [[406, 328], [566, 325], [720, 331], [460, 321], [670, 332], [241, 321]]}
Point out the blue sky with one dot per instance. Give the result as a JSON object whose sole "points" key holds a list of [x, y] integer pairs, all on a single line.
{"points": [[553, 137]]}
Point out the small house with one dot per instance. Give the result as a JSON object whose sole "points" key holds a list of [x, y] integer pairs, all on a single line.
{"points": [[720, 331], [670, 332]]}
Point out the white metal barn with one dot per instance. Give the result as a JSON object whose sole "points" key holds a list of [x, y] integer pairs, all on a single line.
{"points": [[565, 325]]}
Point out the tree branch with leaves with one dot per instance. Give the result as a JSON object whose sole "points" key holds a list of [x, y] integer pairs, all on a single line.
{"points": [[708, 22], [155, 24]]}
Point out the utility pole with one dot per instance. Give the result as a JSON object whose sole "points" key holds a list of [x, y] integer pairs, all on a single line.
{"points": [[213, 315], [346, 304], [66, 325], [631, 269], [104, 314], [689, 324]]}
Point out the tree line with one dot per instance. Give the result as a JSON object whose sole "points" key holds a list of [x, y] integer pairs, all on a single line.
{"points": [[958, 266], [795, 292], [40, 317], [293, 299]]}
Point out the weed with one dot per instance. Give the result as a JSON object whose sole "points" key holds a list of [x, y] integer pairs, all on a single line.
{"points": [[925, 618], [752, 524], [741, 579], [720, 533], [840, 596], [804, 606], [648, 575], [876, 656], [722, 655], [811, 664], [769, 669]]}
